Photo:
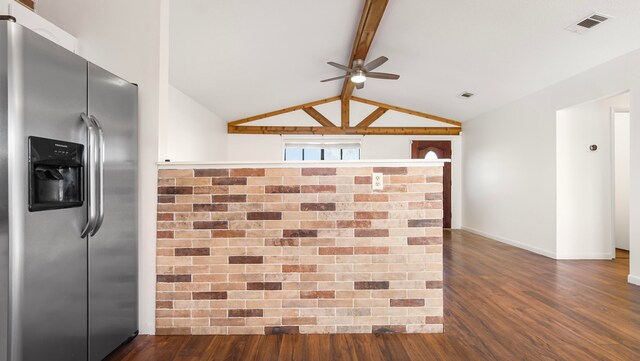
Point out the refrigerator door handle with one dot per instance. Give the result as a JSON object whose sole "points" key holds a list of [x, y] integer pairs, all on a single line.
{"points": [[91, 178], [100, 178]]}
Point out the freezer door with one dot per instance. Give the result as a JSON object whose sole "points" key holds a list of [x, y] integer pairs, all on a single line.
{"points": [[47, 93], [113, 268]]}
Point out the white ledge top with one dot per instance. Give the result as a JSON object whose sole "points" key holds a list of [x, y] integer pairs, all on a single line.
{"points": [[308, 164]]}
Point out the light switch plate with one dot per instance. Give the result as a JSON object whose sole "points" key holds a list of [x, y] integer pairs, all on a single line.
{"points": [[377, 182]]}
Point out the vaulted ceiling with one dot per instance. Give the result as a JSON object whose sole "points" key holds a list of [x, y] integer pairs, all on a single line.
{"points": [[246, 57]]}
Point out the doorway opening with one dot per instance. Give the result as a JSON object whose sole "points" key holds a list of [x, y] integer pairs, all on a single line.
{"points": [[437, 149], [621, 124], [592, 170]]}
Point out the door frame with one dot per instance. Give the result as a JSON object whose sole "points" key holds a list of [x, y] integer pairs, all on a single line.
{"points": [[612, 213], [446, 179]]}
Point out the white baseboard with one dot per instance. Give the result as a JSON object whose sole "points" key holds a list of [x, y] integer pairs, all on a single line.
{"points": [[511, 242], [579, 256], [633, 279]]}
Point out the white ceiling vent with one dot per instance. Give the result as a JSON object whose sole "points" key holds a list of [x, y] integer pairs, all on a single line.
{"points": [[588, 23], [465, 95]]}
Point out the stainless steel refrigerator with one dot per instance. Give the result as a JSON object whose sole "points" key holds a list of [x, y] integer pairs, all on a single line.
{"points": [[68, 203]]}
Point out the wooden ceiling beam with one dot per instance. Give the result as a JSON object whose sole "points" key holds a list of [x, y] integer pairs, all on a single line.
{"points": [[345, 113], [372, 117], [408, 111], [404, 131], [313, 113], [28, 3], [369, 22], [285, 110], [372, 13], [232, 129], [242, 129]]}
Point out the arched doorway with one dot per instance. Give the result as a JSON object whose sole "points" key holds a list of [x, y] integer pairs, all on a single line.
{"points": [[440, 149]]}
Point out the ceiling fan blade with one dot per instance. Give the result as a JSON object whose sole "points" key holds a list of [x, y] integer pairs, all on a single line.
{"points": [[375, 63], [383, 76], [339, 66], [359, 85], [336, 78]]}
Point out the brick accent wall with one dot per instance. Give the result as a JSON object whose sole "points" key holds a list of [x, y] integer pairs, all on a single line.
{"points": [[299, 250]]}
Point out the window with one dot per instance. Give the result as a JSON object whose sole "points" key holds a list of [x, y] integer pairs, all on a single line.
{"points": [[321, 154], [321, 149], [431, 155]]}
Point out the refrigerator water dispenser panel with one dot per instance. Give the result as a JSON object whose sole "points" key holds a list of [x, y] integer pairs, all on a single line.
{"points": [[55, 174]]}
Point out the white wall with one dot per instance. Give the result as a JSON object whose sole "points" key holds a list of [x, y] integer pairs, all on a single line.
{"points": [[509, 176], [27, 18], [509, 160], [634, 177], [193, 133], [622, 127], [243, 147], [129, 38], [584, 179], [250, 147]]}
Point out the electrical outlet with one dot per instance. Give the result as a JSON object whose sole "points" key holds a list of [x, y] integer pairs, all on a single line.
{"points": [[377, 182]]}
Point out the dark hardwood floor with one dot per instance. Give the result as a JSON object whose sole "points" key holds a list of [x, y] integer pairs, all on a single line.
{"points": [[501, 303], [621, 253]]}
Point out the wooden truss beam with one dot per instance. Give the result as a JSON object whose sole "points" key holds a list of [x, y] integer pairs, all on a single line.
{"points": [[366, 122], [408, 111], [369, 21], [28, 3], [328, 127], [318, 117], [285, 110], [233, 129], [344, 113]]}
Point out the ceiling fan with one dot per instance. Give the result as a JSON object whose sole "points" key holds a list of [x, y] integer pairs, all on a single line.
{"points": [[359, 72]]}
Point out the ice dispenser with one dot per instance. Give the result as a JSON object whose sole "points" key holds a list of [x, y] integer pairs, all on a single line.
{"points": [[55, 174]]}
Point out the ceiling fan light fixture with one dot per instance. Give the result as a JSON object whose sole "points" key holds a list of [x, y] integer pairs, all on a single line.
{"points": [[358, 77], [359, 72]]}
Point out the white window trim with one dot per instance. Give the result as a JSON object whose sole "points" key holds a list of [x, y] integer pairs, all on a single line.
{"points": [[321, 142], [343, 142]]}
